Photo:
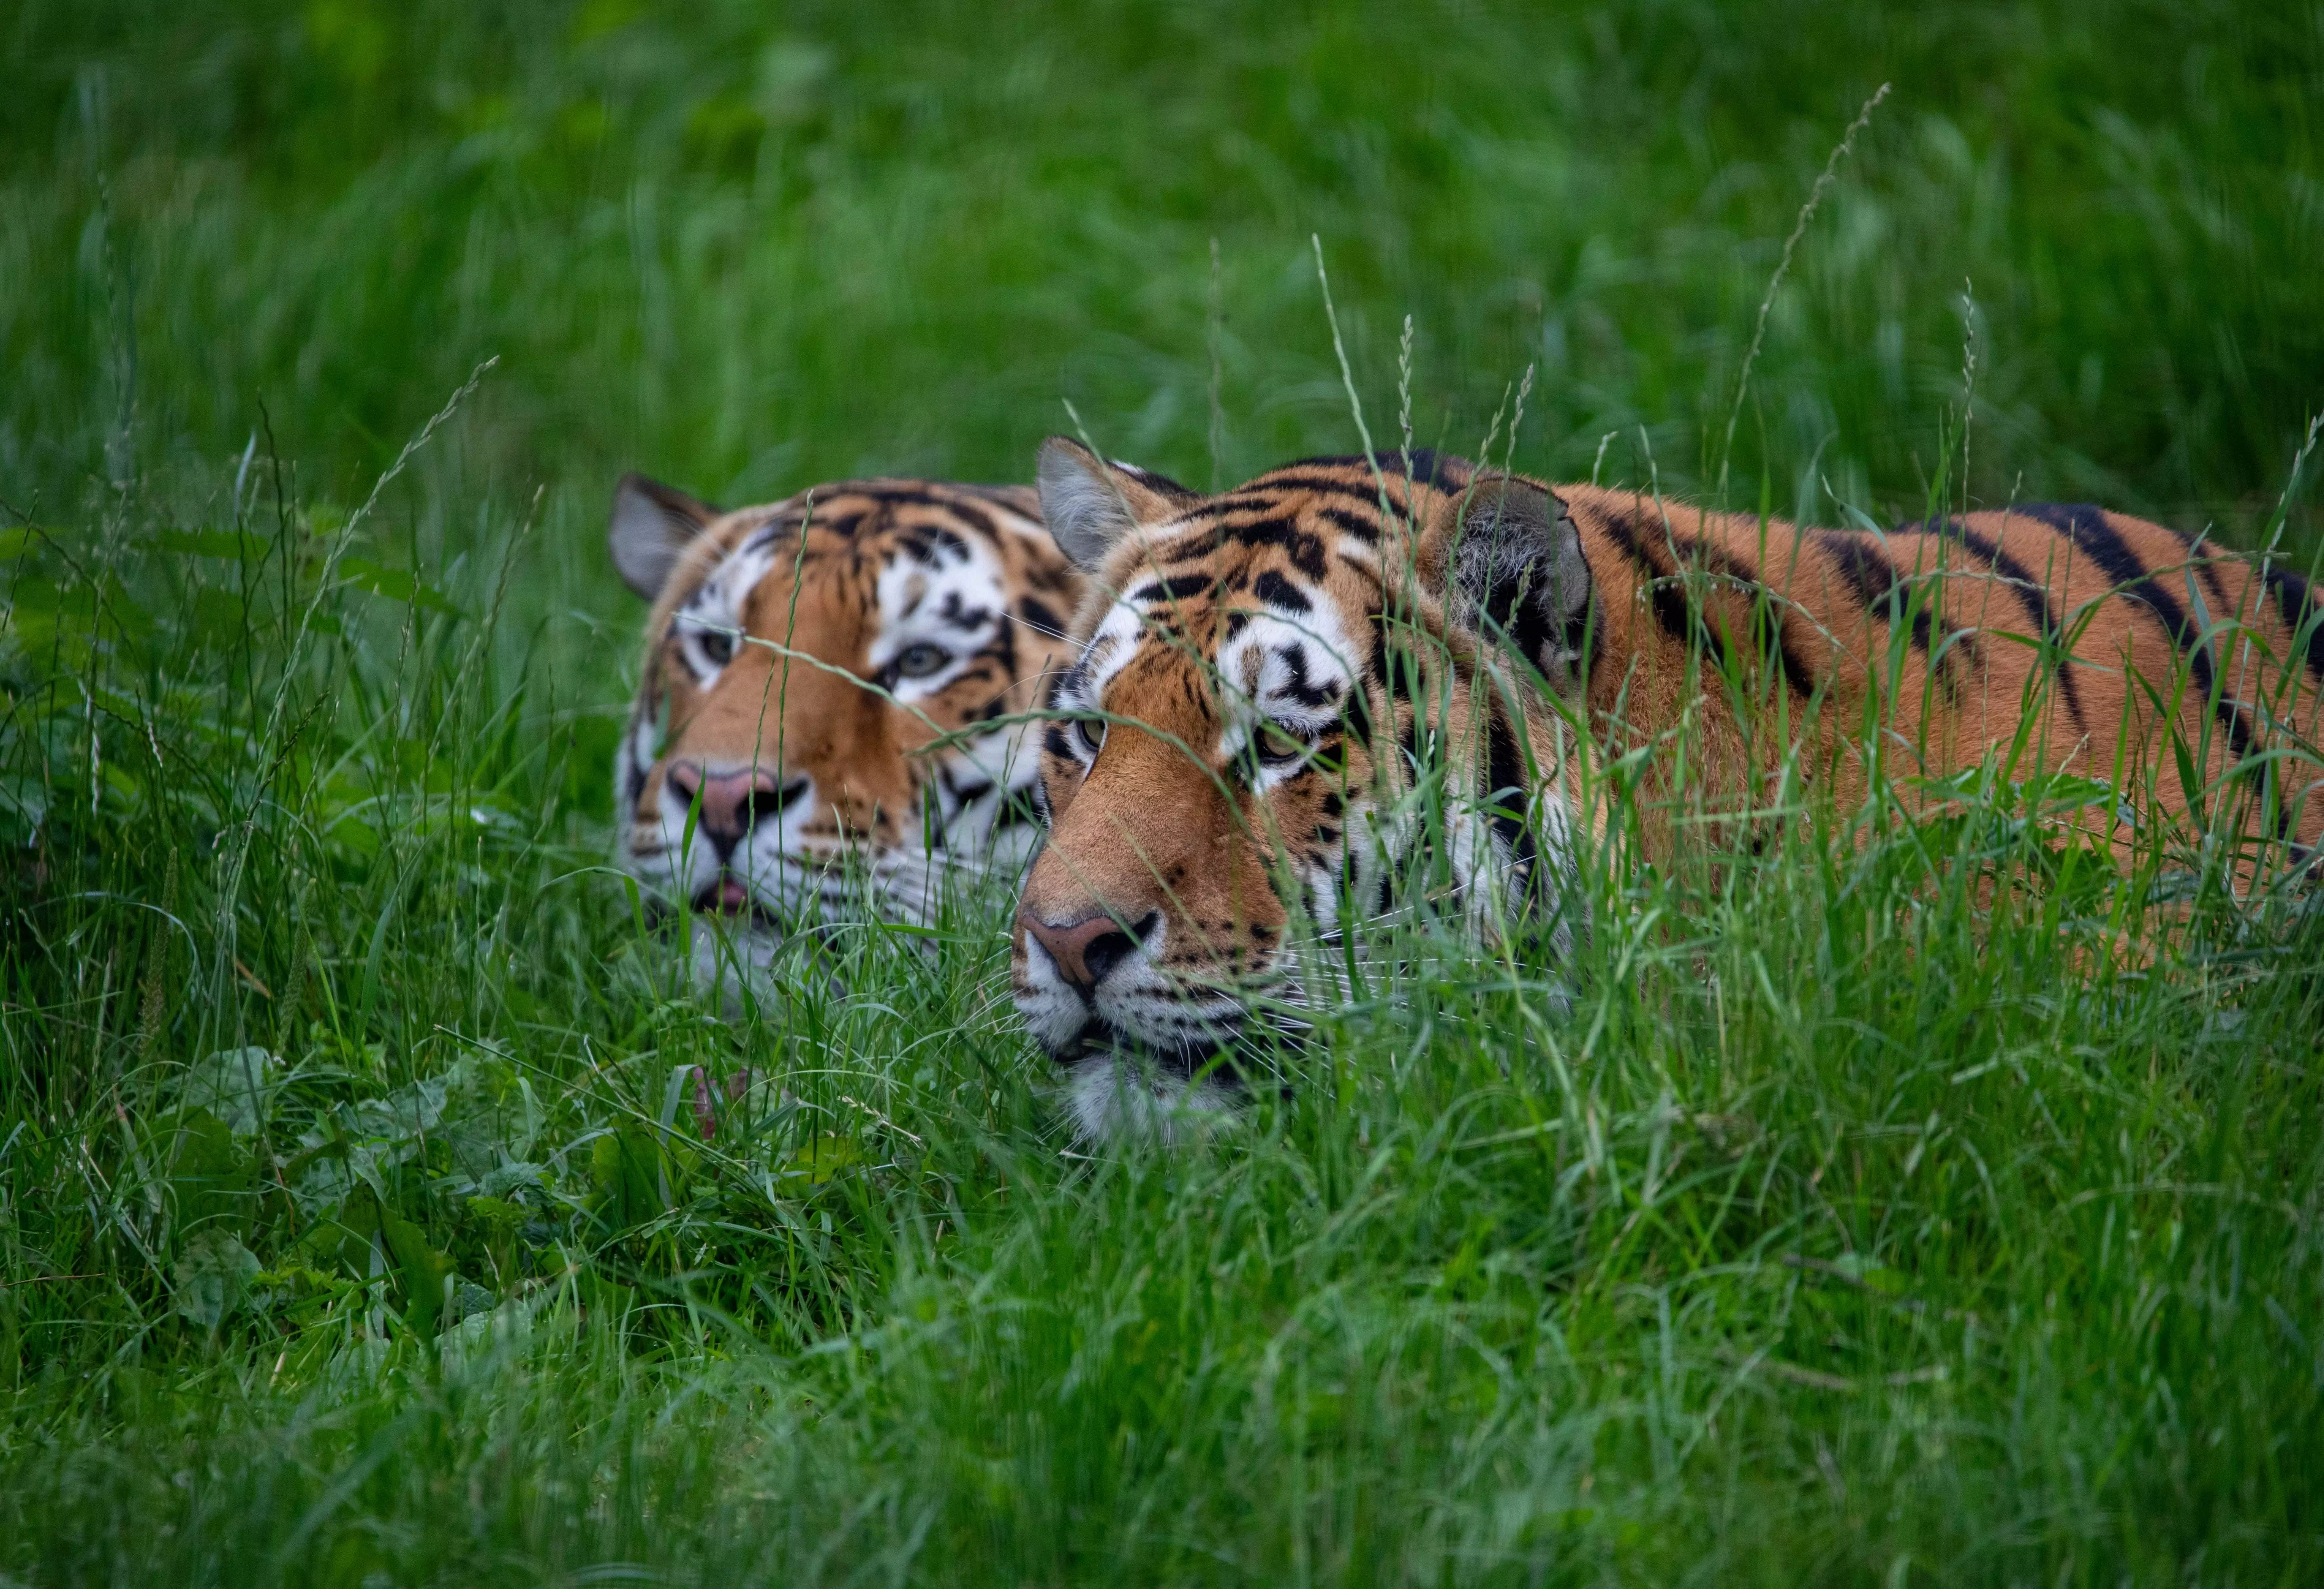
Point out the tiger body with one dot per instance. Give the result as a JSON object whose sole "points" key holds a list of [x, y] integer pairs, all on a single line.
{"points": [[807, 725], [1259, 675], [1924, 649]]}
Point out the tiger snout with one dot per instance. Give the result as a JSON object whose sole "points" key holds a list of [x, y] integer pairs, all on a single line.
{"points": [[734, 839], [1142, 1051], [1086, 951], [1090, 973], [730, 803], [1140, 935]]}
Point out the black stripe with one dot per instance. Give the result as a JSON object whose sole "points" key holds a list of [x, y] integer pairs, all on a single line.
{"points": [[1268, 487], [1197, 544], [1505, 770], [1869, 574], [1878, 584], [2298, 604], [972, 514], [1303, 546], [1311, 695], [958, 614], [1160, 482], [2209, 567], [1176, 587], [910, 493], [1680, 619], [2031, 595], [842, 524], [1363, 529], [1276, 591], [2086, 527], [963, 797], [1429, 467], [1766, 612]]}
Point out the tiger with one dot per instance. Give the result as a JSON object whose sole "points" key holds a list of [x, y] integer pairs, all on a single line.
{"points": [[832, 694], [1256, 674]]}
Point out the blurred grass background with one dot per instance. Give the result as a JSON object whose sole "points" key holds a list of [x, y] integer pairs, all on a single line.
{"points": [[356, 1220], [762, 245]]}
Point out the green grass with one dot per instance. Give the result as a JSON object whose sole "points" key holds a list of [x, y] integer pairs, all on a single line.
{"points": [[1835, 1218]]}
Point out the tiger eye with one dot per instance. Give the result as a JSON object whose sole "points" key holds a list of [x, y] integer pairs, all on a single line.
{"points": [[917, 662], [718, 645], [1092, 733], [1276, 748]]}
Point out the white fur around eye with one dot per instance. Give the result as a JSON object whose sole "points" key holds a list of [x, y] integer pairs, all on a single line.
{"points": [[1265, 773], [954, 598], [1290, 673], [709, 624], [708, 644]]}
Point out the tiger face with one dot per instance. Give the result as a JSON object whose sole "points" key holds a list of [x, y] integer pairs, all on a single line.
{"points": [[806, 721], [1262, 681]]}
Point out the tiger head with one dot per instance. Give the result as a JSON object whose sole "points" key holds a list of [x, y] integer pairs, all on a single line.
{"points": [[807, 715], [1261, 683]]}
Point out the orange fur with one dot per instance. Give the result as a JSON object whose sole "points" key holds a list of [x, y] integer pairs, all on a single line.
{"points": [[1715, 655]]}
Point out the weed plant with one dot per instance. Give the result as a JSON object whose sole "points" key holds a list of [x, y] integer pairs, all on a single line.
{"points": [[1889, 1195]]}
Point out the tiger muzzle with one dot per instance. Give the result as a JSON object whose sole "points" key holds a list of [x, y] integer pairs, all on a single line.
{"points": [[733, 803], [1087, 951]]}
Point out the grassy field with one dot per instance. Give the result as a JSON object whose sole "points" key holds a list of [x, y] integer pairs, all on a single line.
{"points": [[378, 1207]]}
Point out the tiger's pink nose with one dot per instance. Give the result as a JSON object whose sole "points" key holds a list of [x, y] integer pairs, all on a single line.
{"points": [[1085, 952], [732, 803]]}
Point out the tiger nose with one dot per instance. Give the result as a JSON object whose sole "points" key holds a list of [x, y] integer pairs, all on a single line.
{"points": [[1085, 950], [732, 803]]}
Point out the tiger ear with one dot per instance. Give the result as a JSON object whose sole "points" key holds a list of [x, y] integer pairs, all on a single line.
{"points": [[1091, 506], [652, 526], [1518, 571]]}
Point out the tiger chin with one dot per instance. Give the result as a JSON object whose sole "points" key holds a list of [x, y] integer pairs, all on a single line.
{"points": [[1258, 679], [808, 746]]}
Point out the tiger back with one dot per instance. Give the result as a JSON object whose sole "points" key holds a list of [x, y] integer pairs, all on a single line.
{"points": [[1258, 674], [808, 741], [2058, 638]]}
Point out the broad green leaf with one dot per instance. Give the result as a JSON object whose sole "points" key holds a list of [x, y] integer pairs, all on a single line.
{"points": [[421, 1268], [212, 1276], [237, 1085], [211, 1177]]}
